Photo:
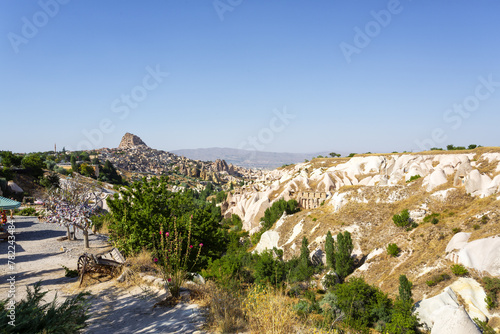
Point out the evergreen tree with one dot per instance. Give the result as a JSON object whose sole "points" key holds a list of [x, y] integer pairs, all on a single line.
{"points": [[405, 289], [330, 250], [74, 166], [343, 261], [403, 321], [305, 261]]}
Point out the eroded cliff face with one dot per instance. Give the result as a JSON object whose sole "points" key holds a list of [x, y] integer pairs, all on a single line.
{"points": [[319, 182]]}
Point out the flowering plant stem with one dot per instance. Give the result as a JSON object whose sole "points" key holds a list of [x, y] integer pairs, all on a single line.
{"points": [[174, 256]]}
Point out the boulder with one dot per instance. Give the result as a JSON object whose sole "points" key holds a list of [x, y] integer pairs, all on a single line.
{"points": [[268, 240], [443, 315]]}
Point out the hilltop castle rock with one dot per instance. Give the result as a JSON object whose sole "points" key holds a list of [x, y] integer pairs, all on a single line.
{"points": [[129, 140]]}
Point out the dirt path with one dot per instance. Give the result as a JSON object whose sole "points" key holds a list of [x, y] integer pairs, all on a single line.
{"points": [[40, 257]]}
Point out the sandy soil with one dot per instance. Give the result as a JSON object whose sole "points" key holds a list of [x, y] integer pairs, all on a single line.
{"points": [[40, 257]]}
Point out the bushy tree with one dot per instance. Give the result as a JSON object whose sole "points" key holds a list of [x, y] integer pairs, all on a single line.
{"points": [[269, 268], [272, 214], [343, 261], [34, 164], [403, 321], [362, 304], [108, 173], [330, 250], [147, 207], [87, 170]]}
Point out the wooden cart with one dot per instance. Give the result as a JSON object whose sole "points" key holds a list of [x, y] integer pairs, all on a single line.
{"points": [[105, 264]]}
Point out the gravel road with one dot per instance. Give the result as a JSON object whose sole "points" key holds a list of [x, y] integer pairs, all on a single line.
{"points": [[39, 256]]}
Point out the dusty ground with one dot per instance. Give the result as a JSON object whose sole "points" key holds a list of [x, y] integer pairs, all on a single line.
{"points": [[40, 257]]}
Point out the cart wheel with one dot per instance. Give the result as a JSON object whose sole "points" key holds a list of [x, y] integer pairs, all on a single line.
{"points": [[84, 261]]}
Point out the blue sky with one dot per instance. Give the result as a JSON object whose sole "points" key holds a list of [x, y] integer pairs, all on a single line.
{"points": [[349, 76]]}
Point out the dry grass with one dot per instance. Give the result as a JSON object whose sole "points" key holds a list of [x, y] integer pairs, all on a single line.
{"points": [[142, 262], [223, 306], [270, 311]]}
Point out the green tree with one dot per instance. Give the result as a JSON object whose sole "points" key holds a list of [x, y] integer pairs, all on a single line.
{"points": [[304, 253], [269, 269], [108, 173], [87, 170], [330, 250], [334, 155], [393, 250], [343, 261], [34, 163], [402, 319], [403, 219], [405, 286], [147, 207], [74, 166], [50, 181], [6, 158], [362, 304]]}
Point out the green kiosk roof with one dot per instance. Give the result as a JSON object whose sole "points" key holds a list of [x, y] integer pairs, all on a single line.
{"points": [[8, 204]]}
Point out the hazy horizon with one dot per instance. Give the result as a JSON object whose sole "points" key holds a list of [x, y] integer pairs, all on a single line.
{"points": [[351, 76]]}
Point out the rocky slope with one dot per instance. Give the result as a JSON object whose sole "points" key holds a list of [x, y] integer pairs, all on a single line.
{"points": [[134, 157], [362, 194]]}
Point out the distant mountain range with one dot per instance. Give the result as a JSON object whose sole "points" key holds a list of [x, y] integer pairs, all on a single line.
{"points": [[245, 158]]}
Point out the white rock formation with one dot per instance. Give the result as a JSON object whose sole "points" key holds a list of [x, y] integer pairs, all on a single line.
{"points": [[268, 240], [381, 170], [473, 295], [482, 254], [444, 315]]}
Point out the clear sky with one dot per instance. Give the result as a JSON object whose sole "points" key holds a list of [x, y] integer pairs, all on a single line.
{"points": [[286, 76]]}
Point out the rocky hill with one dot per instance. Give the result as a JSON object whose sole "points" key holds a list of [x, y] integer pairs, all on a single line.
{"points": [[461, 189], [130, 141], [134, 158]]}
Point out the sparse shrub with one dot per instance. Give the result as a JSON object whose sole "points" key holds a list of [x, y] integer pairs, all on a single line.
{"points": [[33, 317], [314, 219], [404, 220], [437, 279], [351, 155], [269, 311], [413, 178], [484, 327], [307, 305], [28, 212], [432, 218], [393, 250], [329, 281], [459, 270], [492, 287], [69, 272], [476, 226], [456, 230], [484, 219]]}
